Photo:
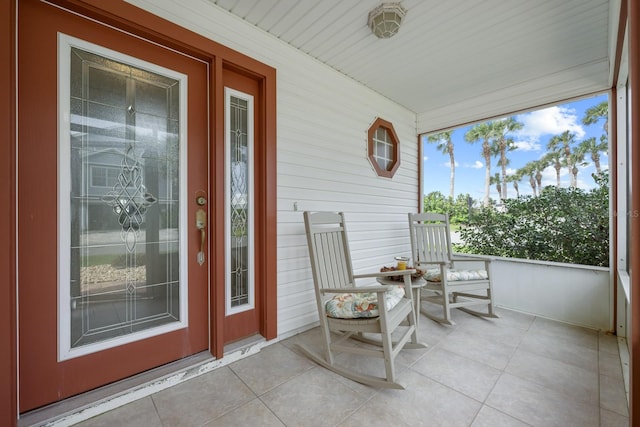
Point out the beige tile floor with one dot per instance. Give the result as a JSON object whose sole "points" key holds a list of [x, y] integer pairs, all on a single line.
{"points": [[518, 370]]}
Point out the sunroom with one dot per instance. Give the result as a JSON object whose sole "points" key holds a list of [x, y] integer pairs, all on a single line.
{"points": [[264, 110]]}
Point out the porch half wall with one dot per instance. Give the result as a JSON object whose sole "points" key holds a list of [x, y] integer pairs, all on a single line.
{"points": [[575, 294], [322, 164]]}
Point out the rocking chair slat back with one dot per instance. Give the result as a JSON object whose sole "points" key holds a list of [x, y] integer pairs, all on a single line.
{"points": [[329, 251], [431, 249], [431, 238]]}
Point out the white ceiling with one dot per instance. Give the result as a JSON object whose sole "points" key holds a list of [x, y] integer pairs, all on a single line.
{"points": [[503, 55]]}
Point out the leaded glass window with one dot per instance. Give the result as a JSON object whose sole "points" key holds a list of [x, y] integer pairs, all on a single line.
{"points": [[239, 188], [121, 158]]}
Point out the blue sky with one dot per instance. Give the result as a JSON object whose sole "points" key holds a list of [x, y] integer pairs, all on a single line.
{"points": [[539, 127]]}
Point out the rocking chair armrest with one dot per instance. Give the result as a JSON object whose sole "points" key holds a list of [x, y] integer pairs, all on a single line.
{"points": [[425, 263], [385, 273], [357, 289]]}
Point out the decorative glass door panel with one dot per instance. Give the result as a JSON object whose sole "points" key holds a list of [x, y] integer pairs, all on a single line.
{"points": [[110, 166], [121, 199], [239, 194]]}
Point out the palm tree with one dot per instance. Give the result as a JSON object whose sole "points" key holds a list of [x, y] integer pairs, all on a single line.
{"points": [[514, 179], [533, 170], [562, 143], [445, 145], [554, 158], [538, 167], [501, 144], [483, 132], [576, 158], [529, 170], [594, 149], [495, 179], [597, 112]]}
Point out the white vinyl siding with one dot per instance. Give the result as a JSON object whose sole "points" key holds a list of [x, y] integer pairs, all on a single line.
{"points": [[322, 123]]}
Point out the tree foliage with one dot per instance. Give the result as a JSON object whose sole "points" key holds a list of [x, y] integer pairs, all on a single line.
{"points": [[596, 113], [562, 224], [458, 208]]}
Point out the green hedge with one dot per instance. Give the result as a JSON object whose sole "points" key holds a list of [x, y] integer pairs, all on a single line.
{"points": [[561, 224]]}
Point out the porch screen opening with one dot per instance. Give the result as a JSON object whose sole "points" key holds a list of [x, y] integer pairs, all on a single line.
{"points": [[239, 206], [120, 185]]}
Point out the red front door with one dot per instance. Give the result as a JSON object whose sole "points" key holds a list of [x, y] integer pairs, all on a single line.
{"points": [[112, 171]]}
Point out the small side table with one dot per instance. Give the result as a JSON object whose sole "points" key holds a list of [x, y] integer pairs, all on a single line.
{"points": [[416, 285]]}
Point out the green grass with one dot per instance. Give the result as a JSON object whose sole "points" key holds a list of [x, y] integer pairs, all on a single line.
{"points": [[99, 260]]}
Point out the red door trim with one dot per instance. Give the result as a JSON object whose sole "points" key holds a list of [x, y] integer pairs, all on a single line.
{"points": [[217, 263], [8, 322]]}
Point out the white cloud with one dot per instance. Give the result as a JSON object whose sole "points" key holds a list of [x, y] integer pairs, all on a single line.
{"points": [[425, 158], [546, 123], [448, 164], [475, 165], [527, 145], [585, 182]]}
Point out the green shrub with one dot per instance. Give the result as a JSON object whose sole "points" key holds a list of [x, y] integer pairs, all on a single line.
{"points": [[561, 224], [458, 208]]}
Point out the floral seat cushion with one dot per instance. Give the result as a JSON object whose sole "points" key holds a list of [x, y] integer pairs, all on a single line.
{"points": [[359, 305], [433, 275]]}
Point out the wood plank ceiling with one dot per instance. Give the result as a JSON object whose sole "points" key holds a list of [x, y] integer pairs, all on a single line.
{"points": [[481, 57]]}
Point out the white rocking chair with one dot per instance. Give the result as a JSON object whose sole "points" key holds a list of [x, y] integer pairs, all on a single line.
{"points": [[347, 311], [450, 288]]}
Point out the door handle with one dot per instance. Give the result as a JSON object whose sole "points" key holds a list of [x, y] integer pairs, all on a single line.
{"points": [[201, 224]]}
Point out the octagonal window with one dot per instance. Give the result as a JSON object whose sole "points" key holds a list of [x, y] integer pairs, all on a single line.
{"points": [[383, 148]]}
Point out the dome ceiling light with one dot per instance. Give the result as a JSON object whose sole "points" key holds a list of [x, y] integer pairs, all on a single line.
{"points": [[385, 19]]}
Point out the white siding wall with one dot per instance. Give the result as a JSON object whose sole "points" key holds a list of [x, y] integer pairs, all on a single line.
{"points": [[323, 118]]}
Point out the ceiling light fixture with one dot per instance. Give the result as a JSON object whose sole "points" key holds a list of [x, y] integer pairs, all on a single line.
{"points": [[385, 19]]}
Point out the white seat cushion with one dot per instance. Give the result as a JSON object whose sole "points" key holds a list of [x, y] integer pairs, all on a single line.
{"points": [[433, 275], [359, 305]]}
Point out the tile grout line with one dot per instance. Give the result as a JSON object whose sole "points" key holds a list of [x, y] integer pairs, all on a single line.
{"points": [[502, 372], [482, 403]]}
